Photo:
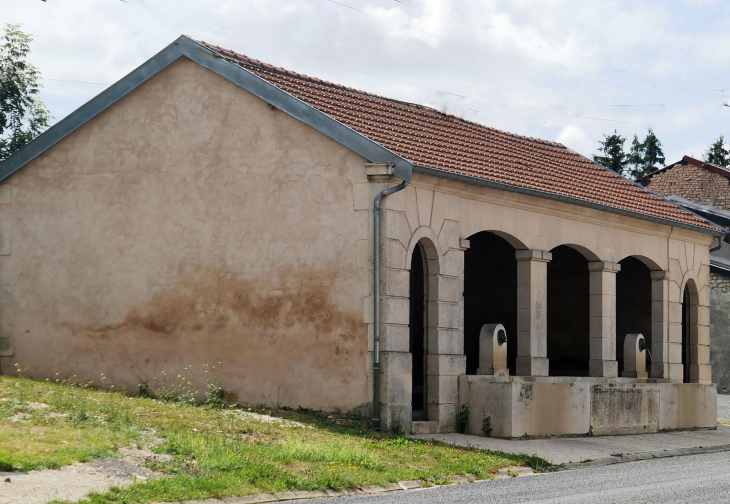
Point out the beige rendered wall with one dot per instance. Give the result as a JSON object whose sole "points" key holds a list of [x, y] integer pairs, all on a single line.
{"points": [[189, 224]]}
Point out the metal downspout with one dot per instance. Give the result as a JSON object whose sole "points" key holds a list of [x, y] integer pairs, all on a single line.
{"points": [[376, 298], [719, 244]]}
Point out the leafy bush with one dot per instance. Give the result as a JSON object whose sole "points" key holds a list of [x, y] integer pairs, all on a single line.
{"points": [[463, 419]]}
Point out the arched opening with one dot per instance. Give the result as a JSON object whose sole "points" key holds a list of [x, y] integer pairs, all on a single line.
{"points": [[685, 335], [689, 325], [417, 326], [633, 305], [568, 313], [490, 294]]}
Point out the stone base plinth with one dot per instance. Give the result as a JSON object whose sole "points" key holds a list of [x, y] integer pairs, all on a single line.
{"points": [[565, 406]]}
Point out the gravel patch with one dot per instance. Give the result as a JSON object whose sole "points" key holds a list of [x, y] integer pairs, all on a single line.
{"points": [[70, 483]]}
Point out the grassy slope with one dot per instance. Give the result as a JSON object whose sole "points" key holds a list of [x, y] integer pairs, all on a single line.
{"points": [[215, 452]]}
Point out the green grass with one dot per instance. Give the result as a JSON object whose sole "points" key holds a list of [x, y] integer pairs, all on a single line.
{"points": [[214, 453]]}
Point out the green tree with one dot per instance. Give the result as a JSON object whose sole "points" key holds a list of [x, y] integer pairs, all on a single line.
{"points": [[614, 157], [645, 157], [22, 116], [718, 154], [635, 156]]}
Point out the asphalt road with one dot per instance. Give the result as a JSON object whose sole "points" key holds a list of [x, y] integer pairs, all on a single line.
{"points": [[696, 478]]}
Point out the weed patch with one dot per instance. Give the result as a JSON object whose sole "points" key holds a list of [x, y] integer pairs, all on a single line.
{"points": [[216, 450]]}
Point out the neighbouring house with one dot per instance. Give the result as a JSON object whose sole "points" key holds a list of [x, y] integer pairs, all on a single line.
{"points": [[212, 208], [704, 189]]}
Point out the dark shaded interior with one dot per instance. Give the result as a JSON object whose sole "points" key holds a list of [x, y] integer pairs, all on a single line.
{"points": [[633, 305], [490, 294], [417, 331], [568, 313], [685, 334]]}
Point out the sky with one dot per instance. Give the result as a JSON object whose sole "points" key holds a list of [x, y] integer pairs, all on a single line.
{"points": [[563, 70]]}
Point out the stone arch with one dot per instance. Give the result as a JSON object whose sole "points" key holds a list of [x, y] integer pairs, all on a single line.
{"points": [[511, 234], [516, 243], [689, 283], [689, 342], [584, 251], [648, 262], [423, 261], [429, 240]]}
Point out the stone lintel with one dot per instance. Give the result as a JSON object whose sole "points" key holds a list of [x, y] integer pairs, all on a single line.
{"points": [[533, 255], [604, 266], [464, 244], [379, 172], [660, 275]]}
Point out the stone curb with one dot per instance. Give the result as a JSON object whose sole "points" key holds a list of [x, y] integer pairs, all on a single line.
{"points": [[401, 486], [679, 452]]}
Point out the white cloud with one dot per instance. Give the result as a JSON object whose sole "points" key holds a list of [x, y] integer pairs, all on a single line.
{"points": [[574, 138]]}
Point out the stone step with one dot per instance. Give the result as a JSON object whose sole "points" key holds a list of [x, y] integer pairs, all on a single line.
{"points": [[424, 427]]}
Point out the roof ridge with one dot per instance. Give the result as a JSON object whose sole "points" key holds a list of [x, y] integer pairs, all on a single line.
{"points": [[248, 60]]}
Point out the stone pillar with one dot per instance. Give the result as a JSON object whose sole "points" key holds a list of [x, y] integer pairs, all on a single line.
{"points": [[395, 360], [532, 312], [700, 370], [673, 358], [446, 360], [603, 319], [660, 324]]}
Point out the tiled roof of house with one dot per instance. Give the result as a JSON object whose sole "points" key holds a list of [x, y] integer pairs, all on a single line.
{"points": [[429, 138]]}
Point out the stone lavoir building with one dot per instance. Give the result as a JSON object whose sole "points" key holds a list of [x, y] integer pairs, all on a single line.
{"points": [[212, 208], [704, 189]]}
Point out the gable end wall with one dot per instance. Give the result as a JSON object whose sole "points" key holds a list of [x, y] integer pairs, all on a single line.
{"points": [[189, 224]]}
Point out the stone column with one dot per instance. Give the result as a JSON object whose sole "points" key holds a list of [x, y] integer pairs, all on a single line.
{"points": [[673, 357], [700, 370], [395, 360], [603, 319], [660, 324], [532, 312], [446, 360]]}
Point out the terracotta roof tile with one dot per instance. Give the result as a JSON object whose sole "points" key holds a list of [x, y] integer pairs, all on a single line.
{"points": [[429, 138]]}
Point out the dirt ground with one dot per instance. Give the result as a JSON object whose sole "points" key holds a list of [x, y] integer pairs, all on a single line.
{"points": [[74, 482]]}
